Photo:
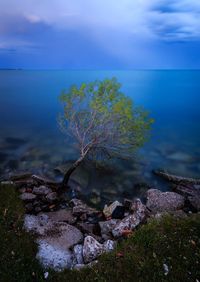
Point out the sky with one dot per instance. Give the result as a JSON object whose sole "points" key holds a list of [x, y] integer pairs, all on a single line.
{"points": [[100, 34]]}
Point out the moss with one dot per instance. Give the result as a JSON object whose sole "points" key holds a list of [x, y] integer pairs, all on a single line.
{"points": [[173, 242]]}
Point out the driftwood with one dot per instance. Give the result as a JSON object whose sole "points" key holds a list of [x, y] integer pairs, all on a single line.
{"points": [[45, 181], [176, 179]]}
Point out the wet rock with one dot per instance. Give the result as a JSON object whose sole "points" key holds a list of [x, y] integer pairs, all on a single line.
{"points": [[28, 197], [52, 197], [108, 210], [158, 201], [51, 256], [41, 190], [78, 253], [107, 226]]}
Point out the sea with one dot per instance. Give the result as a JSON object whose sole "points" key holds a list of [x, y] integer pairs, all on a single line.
{"points": [[31, 141]]}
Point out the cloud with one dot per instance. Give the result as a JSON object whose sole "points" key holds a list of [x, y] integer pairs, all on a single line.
{"points": [[129, 30]]}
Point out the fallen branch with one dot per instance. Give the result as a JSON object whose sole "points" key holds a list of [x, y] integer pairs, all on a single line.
{"points": [[176, 179]]}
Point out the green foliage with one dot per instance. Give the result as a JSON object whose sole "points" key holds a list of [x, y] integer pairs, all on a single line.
{"points": [[99, 113]]}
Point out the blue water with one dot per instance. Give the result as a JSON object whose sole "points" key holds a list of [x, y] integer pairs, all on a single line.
{"points": [[29, 107]]}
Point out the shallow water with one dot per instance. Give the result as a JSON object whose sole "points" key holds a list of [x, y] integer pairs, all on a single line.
{"points": [[30, 139]]}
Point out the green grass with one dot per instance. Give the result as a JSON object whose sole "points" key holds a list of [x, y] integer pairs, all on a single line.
{"points": [[173, 242]]}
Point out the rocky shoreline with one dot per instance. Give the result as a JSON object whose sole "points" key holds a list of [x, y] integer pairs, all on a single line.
{"points": [[70, 234]]}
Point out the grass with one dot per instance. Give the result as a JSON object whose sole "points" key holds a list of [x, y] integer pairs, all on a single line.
{"points": [[175, 243]]}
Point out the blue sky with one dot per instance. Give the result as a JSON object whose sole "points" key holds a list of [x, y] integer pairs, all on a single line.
{"points": [[100, 34]]}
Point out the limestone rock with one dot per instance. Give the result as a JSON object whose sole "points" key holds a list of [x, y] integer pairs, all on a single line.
{"points": [[158, 201], [28, 197], [91, 249], [42, 190]]}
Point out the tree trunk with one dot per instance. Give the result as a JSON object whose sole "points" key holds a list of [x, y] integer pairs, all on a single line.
{"points": [[70, 171]]}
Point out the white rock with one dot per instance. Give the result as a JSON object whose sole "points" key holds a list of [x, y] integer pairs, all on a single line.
{"points": [[52, 257], [91, 249]]}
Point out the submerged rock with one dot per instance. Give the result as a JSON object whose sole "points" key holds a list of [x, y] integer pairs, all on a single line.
{"points": [[158, 201], [181, 157]]}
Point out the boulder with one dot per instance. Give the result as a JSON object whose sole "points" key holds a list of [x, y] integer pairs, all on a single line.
{"points": [[41, 190], [51, 256], [158, 201], [58, 234], [27, 197]]}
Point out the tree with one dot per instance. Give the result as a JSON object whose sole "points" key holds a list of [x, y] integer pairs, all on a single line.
{"points": [[103, 122]]}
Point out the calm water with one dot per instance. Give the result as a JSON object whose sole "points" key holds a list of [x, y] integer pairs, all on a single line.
{"points": [[29, 107]]}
